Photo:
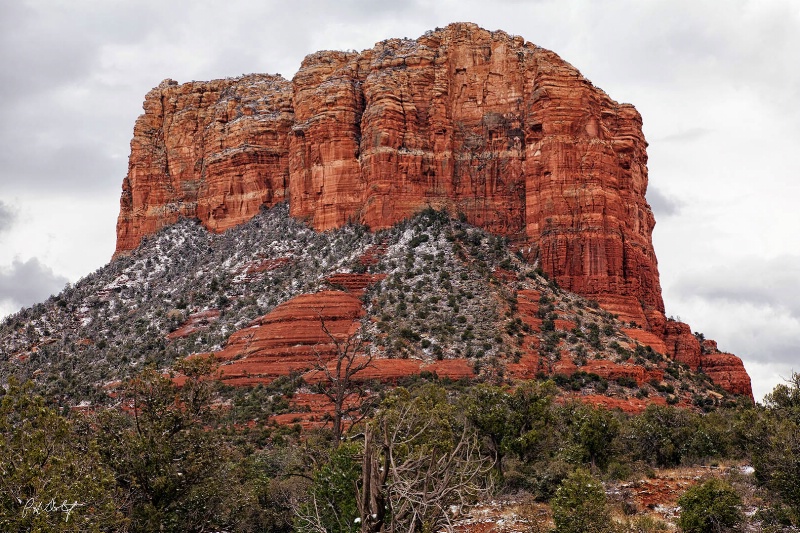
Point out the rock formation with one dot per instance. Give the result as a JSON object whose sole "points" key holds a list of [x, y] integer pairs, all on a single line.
{"points": [[481, 122], [490, 126], [215, 150]]}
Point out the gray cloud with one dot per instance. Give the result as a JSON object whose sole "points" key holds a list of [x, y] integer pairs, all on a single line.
{"points": [[47, 45], [8, 216], [753, 304], [661, 204], [27, 282], [757, 282], [73, 168]]}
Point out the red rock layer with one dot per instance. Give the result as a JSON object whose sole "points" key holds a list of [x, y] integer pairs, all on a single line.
{"points": [[724, 369], [290, 338], [353, 282], [627, 405], [727, 371], [613, 371], [646, 338], [214, 150], [681, 345], [195, 322], [392, 370]]}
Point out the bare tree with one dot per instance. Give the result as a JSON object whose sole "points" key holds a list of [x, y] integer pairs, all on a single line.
{"points": [[310, 519], [374, 474], [421, 462], [346, 392], [425, 463]]}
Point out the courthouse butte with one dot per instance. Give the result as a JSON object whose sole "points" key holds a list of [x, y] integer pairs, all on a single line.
{"points": [[481, 123]]}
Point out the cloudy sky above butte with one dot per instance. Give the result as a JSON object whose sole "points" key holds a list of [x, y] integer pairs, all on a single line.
{"points": [[716, 82]]}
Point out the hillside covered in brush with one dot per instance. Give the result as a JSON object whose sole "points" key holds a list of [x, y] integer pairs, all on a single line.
{"points": [[431, 294]]}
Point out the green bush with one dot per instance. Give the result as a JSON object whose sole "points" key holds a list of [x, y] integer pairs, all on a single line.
{"points": [[332, 504], [52, 477], [710, 507], [776, 448], [580, 505]]}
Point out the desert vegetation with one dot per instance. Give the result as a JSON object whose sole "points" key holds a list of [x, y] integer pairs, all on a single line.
{"points": [[449, 290], [172, 458]]}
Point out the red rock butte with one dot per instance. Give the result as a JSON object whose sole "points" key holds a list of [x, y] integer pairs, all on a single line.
{"points": [[482, 123]]}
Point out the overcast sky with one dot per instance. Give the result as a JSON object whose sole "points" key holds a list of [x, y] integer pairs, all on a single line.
{"points": [[717, 83]]}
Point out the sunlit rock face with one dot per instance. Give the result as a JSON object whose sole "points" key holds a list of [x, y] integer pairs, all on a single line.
{"points": [[216, 151], [490, 126], [485, 124]]}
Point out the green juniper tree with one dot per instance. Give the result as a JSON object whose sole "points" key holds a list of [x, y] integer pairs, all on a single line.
{"points": [[580, 505], [51, 476], [711, 507]]}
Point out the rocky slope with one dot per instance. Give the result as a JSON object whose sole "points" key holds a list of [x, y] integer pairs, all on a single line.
{"points": [[646, 504], [430, 296]]}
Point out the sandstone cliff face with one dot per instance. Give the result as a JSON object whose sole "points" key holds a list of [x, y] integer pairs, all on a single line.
{"points": [[483, 123], [215, 150], [724, 369], [490, 126]]}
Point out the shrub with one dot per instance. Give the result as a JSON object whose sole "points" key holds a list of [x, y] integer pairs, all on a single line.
{"points": [[648, 524], [46, 459], [580, 505], [777, 457], [710, 507], [332, 504]]}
